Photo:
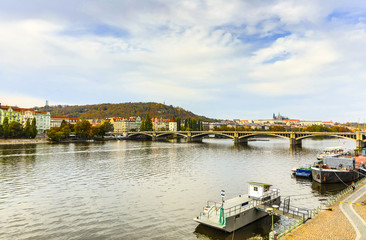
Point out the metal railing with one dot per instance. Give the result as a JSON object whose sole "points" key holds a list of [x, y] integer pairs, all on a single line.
{"points": [[314, 212], [264, 200]]}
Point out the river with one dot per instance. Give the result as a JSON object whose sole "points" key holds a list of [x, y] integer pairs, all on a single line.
{"points": [[144, 190]]}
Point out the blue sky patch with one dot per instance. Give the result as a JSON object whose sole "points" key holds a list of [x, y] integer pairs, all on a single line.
{"points": [[99, 30]]}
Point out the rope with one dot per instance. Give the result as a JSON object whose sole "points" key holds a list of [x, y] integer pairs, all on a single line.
{"points": [[340, 179], [359, 172]]}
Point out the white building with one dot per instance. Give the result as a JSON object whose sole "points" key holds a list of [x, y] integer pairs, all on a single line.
{"points": [[173, 126], [43, 121], [27, 113]]}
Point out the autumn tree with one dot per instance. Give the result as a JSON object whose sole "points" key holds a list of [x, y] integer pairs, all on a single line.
{"points": [[83, 129], [57, 134]]}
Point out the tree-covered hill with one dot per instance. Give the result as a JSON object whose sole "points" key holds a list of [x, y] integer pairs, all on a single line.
{"points": [[105, 110]]}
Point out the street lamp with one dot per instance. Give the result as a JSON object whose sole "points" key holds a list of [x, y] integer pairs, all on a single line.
{"points": [[271, 212]]}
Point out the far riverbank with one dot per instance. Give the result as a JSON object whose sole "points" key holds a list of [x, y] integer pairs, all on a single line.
{"points": [[22, 141]]}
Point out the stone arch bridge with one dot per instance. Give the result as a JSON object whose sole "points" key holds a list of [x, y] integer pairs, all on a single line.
{"points": [[295, 138]]}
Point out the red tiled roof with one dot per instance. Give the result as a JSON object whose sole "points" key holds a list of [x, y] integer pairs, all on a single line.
{"points": [[59, 117]]}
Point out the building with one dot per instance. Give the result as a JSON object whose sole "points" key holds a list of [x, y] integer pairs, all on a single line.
{"points": [[27, 113], [21, 115], [43, 121], [122, 125], [56, 121], [160, 124], [12, 113], [173, 126]]}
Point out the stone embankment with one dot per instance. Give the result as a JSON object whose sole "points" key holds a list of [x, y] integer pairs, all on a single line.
{"points": [[22, 141], [337, 223]]}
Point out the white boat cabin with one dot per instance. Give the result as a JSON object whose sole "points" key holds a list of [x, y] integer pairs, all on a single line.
{"points": [[257, 190]]}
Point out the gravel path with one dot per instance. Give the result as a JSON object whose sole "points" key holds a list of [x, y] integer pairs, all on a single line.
{"points": [[361, 210], [332, 225], [354, 218]]}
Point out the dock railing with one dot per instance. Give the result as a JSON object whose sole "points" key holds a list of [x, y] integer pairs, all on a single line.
{"points": [[314, 212], [266, 200]]}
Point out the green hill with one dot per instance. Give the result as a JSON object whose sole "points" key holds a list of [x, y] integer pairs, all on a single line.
{"points": [[105, 110]]}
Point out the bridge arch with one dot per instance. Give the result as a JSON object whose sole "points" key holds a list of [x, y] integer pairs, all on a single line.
{"points": [[214, 133], [264, 134], [326, 135], [171, 133], [139, 134]]}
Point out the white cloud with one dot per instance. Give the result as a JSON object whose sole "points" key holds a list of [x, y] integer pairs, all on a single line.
{"points": [[20, 100], [208, 51]]}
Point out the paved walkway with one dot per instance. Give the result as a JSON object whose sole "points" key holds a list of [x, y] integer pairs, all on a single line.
{"points": [[354, 218], [346, 221]]}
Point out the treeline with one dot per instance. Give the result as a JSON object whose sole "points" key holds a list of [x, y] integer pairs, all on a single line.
{"points": [[191, 125], [125, 110], [16, 129], [82, 130], [312, 128]]}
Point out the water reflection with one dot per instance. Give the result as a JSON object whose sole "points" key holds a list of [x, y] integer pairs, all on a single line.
{"points": [[142, 190], [260, 228], [327, 189]]}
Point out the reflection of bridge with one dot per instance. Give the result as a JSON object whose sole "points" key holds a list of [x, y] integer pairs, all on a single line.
{"points": [[243, 136]]}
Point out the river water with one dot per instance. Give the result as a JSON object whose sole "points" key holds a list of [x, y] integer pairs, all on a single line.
{"points": [[144, 190]]}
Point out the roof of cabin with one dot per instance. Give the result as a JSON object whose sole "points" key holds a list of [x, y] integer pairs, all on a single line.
{"points": [[258, 183]]}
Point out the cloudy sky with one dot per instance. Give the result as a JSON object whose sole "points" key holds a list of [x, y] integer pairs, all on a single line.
{"points": [[222, 59]]}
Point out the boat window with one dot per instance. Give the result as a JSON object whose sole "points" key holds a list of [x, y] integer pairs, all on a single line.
{"points": [[255, 188], [266, 188]]}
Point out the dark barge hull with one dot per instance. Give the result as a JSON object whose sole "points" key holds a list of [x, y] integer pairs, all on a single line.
{"points": [[333, 175]]}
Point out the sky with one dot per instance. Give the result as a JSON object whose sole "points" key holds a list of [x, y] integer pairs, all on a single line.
{"points": [[222, 59]]}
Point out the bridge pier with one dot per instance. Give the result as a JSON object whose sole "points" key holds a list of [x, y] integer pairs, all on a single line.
{"points": [[360, 144], [295, 142], [191, 139], [238, 140]]}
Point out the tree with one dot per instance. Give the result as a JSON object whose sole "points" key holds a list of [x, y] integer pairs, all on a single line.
{"points": [[178, 124], [142, 128], [194, 125], [33, 128], [148, 122], [15, 130], [106, 127], [63, 123], [27, 129], [83, 129], [1, 131], [57, 134], [6, 127], [277, 128]]}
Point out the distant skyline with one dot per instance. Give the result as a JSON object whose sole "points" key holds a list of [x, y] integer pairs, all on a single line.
{"points": [[222, 59]]}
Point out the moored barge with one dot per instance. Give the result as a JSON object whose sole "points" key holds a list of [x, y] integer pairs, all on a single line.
{"points": [[232, 214]]}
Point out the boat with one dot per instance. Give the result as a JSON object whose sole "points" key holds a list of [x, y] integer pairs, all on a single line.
{"points": [[334, 152], [335, 170], [232, 214], [304, 171]]}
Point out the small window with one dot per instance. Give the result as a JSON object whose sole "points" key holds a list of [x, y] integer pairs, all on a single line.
{"points": [[256, 189]]}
